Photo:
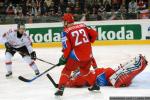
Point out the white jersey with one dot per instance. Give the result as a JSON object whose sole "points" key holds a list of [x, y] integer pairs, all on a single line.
{"points": [[15, 42]]}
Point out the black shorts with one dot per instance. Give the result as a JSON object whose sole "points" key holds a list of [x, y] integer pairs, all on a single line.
{"points": [[23, 51]]}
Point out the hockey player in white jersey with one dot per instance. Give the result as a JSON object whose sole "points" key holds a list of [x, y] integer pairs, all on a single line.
{"points": [[19, 41]]}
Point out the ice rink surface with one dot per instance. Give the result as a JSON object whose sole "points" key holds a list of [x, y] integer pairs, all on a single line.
{"points": [[42, 89]]}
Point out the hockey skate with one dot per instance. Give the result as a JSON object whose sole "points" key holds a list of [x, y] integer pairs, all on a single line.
{"points": [[37, 72], [95, 87], [9, 74]]}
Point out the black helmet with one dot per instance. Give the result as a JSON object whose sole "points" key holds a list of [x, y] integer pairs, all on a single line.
{"points": [[21, 25]]}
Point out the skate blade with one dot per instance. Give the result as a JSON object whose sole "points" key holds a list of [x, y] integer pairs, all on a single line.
{"points": [[58, 97], [95, 91]]}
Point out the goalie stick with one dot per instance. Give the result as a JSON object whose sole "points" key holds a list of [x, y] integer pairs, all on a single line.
{"points": [[30, 80], [51, 79]]}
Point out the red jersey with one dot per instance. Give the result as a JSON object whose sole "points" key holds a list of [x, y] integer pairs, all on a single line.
{"points": [[76, 41], [91, 78]]}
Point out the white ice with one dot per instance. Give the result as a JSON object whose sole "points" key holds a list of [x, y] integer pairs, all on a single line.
{"points": [[42, 89]]}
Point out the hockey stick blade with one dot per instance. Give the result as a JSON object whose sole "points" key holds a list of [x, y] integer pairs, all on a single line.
{"points": [[52, 80], [34, 78], [23, 79]]}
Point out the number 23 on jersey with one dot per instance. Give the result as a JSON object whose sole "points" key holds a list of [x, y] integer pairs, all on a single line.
{"points": [[80, 37]]}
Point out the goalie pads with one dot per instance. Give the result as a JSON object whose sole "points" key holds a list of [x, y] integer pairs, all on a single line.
{"points": [[125, 73]]}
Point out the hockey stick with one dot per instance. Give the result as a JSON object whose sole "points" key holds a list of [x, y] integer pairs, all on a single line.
{"points": [[30, 80], [51, 79], [45, 61], [39, 59]]}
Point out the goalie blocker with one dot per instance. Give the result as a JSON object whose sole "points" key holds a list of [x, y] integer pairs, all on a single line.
{"points": [[125, 73]]}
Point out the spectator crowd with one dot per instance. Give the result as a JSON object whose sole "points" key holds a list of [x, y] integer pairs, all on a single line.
{"points": [[81, 9]]}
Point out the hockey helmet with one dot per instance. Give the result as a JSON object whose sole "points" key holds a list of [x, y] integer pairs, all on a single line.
{"points": [[68, 17]]}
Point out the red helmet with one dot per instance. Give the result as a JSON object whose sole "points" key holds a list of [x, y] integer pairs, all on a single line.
{"points": [[68, 17]]}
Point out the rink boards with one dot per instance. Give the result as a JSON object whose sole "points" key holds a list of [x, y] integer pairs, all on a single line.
{"points": [[115, 32]]}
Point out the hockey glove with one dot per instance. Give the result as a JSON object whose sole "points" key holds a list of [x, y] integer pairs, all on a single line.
{"points": [[33, 55], [8, 46], [62, 61]]}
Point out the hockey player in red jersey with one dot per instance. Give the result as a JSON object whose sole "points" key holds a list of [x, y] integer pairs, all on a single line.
{"points": [[121, 77], [77, 51]]}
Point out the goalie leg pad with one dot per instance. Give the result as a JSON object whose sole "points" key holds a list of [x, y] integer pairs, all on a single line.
{"points": [[124, 75]]}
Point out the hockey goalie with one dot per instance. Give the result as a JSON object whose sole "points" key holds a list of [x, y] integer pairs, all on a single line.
{"points": [[119, 77]]}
